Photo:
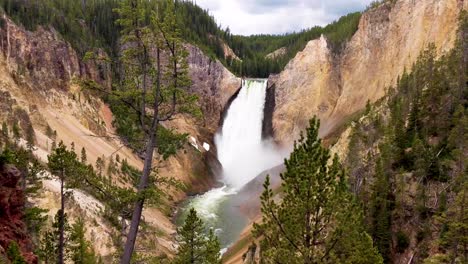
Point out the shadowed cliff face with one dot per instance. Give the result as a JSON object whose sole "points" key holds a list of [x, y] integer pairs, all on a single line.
{"points": [[213, 83], [12, 201], [334, 86]]}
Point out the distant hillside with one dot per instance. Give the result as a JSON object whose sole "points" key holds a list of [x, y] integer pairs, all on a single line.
{"points": [[90, 24]]}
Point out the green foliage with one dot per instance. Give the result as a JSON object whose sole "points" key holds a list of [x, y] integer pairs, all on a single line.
{"points": [[317, 220], [63, 163], [170, 142], [48, 250], [455, 239], [403, 241], [80, 249], [194, 245], [87, 25], [253, 49], [35, 219], [14, 254], [380, 209], [16, 132], [7, 157], [30, 137], [421, 131]]}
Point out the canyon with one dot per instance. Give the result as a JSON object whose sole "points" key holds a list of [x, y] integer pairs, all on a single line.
{"points": [[40, 76]]}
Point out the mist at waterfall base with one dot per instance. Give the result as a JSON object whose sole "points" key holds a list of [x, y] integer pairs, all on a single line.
{"points": [[243, 155], [241, 150]]}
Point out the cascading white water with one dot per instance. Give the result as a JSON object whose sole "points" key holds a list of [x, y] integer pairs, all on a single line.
{"points": [[243, 155], [241, 150]]}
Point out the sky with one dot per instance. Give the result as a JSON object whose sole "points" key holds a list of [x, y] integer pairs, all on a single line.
{"points": [[247, 17]]}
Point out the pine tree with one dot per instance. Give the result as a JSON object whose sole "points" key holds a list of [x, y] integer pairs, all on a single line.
{"points": [[212, 249], [317, 220], [47, 251], [49, 248], [30, 137], [194, 246], [62, 163], [100, 165], [14, 254], [84, 158], [380, 211], [152, 83], [80, 249], [455, 240], [16, 133]]}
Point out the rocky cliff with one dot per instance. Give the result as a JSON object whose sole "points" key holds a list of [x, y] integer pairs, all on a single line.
{"points": [[333, 86], [12, 201], [45, 60], [213, 83], [39, 78]]}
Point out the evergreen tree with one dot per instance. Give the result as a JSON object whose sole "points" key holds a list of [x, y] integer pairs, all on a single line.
{"points": [[49, 248], [80, 249], [151, 83], [47, 251], [100, 165], [455, 239], [381, 211], [212, 249], [84, 158], [30, 137], [194, 246], [14, 254], [317, 220], [16, 132], [62, 163]]}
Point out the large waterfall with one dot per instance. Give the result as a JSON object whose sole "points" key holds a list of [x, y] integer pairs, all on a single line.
{"points": [[243, 154], [241, 150]]}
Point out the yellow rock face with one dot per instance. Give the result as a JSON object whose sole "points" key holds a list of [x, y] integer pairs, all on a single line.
{"points": [[334, 86]]}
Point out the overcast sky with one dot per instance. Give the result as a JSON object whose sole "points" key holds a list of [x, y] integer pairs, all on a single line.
{"points": [[246, 17]]}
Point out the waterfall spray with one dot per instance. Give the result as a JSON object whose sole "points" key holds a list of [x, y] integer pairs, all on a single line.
{"points": [[243, 154], [241, 150]]}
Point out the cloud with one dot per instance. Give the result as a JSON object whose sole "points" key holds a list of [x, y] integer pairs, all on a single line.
{"points": [[246, 17]]}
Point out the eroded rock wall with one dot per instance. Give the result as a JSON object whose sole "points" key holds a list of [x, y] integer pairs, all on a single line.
{"points": [[334, 86], [213, 83]]}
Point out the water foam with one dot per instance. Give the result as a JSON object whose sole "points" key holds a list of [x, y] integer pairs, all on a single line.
{"points": [[241, 150]]}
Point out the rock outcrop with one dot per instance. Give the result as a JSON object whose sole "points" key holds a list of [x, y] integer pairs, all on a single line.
{"points": [[12, 200], [45, 59], [277, 53], [213, 83], [333, 86]]}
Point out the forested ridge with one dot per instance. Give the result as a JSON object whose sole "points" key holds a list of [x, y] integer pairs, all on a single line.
{"points": [[400, 190], [407, 160], [88, 24]]}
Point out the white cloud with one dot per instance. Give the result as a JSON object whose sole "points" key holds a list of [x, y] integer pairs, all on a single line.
{"points": [[248, 17]]}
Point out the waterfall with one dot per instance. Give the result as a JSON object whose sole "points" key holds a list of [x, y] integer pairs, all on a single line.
{"points": [[243, 154], [241, 150]]}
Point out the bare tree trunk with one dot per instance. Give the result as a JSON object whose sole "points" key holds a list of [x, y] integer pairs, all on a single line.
{"points": [[138, 209]]}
